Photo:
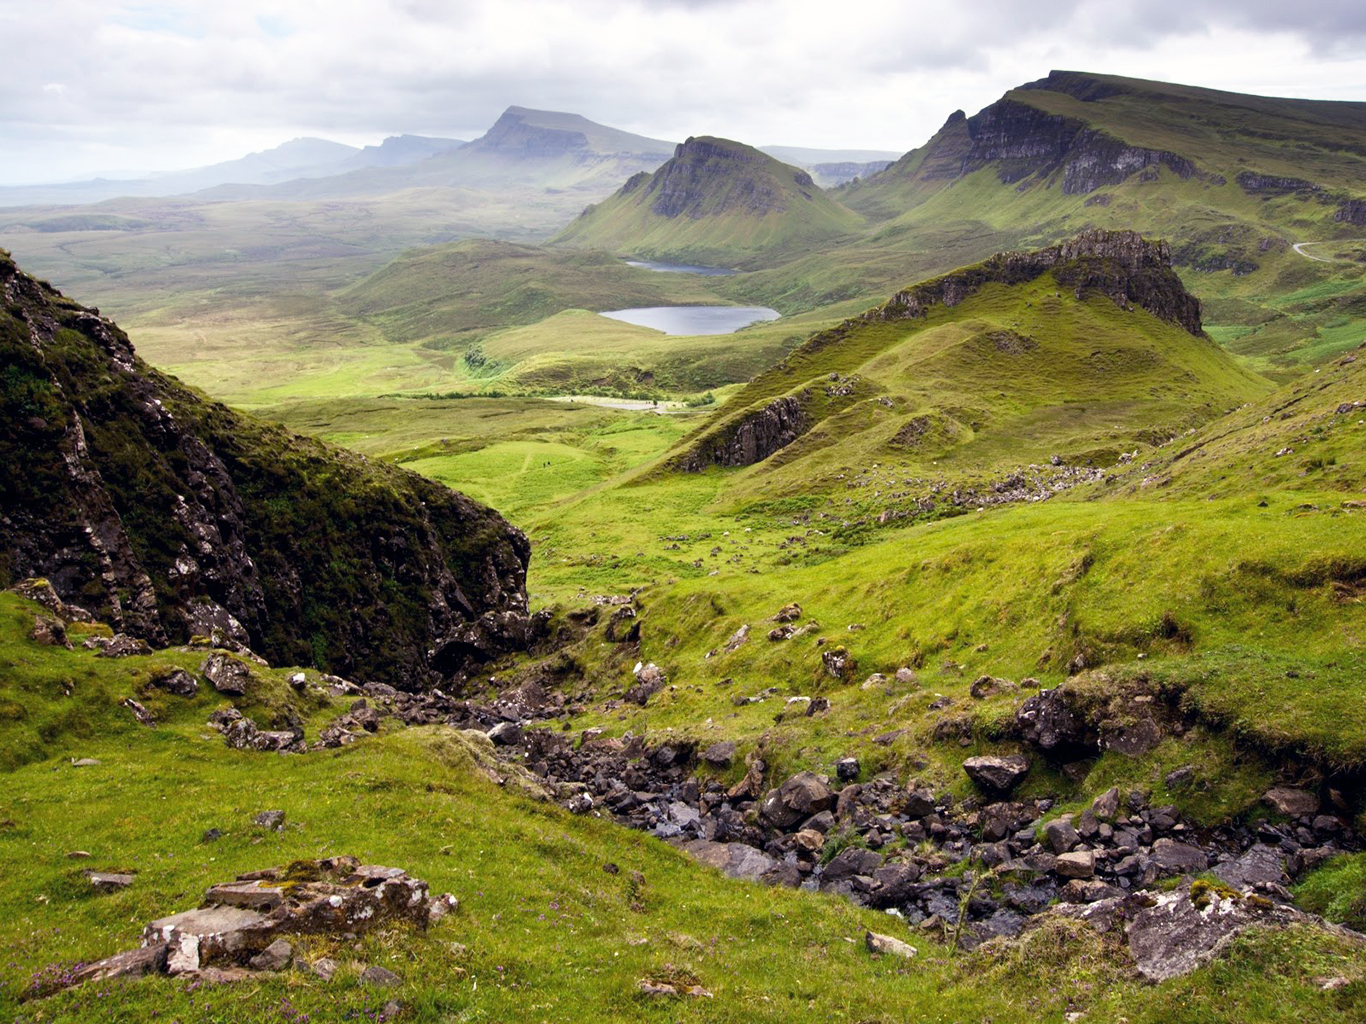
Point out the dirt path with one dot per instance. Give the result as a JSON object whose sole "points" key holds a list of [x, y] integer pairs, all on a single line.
{"points": [[1299, 248]]}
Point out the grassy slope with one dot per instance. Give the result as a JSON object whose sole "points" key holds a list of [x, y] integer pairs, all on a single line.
{"points": [[720, 229], [542, 929], [1286, 313], [1011, 376]]}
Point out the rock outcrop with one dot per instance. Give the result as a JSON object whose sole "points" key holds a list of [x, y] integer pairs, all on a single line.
{"points": [[753, 438], [1351, 211], [1122, 265], [169, 516]]}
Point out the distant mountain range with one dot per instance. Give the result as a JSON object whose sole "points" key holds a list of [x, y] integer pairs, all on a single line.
{"points": [[298, 158]]}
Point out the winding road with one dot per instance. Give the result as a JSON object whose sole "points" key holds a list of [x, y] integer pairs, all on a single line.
{"points": [[1299, 248]]}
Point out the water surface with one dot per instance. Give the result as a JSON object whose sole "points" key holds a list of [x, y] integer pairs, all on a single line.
{"points": [[694, 319]]}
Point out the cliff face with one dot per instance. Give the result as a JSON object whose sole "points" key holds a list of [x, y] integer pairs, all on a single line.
{"points": [[170, 516], [709, 177], [753, 438], [1119, 264], [1021, 141]]}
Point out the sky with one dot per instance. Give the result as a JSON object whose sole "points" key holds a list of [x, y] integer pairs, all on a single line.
{"points": [[104, 86]]}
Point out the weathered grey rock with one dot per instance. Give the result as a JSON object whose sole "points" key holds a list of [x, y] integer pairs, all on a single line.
{"points": [[49, 631], [109, 881], [851, 861], [275, 957], [379, 977], [739, 637], [838, 663], [919, 802], [1172, 857], [1259, 865], [847, 769], [197, 937], [800, 797], [506, 734], [887, 945], [273, 820], [1046, 721], [1088, 890], [123, 646], [1106, 806], [1077, 864], [323, 968], [1290, 801], [178, 682], [650, 679], [84, 762], [226, 674], [720, 754], [788, 613], [735, 860], [997, 774], [1060, 835], [135, 963], [1178, 933], [988, 686]]}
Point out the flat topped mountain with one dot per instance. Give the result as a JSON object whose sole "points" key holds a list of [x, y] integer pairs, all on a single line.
{"points": [[715, 200], [524, 132], [170, 516], [1065, 357]]}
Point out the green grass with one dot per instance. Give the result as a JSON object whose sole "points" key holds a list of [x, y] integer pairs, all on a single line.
{"points": [[542, 927]]}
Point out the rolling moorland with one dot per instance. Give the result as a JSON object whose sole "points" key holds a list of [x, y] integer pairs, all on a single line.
{"points": [[993, 619]]}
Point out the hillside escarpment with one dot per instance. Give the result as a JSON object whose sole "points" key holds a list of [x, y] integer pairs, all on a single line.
{"points": [[1122, 265], [170, 516], [929, 369], [1020, 141], [714, 200]]}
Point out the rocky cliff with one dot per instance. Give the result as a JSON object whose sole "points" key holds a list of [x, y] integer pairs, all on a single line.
{"points": [[714, 200], [1021, 141], [752, 438], [171, 516], [1121, 265]]}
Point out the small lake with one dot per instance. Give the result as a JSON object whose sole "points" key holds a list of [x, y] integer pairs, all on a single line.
{"points": [[694, 319], [679, 268]]}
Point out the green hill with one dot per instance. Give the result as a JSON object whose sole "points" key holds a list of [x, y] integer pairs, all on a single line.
{"points": [[716, 202], [1068, 356], [1235, 182]]}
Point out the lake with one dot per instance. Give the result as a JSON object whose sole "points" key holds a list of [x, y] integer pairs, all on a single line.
{"points": [[694, 319], [679, 268]]}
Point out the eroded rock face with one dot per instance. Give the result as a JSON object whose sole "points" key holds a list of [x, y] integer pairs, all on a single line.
{"points": [[754, 437], [171, 517], [1352, 211]]}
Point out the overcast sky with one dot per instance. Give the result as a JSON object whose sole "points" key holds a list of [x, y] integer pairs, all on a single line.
{"points": [[102, 85]]}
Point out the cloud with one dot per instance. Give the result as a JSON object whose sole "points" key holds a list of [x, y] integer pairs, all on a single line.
{"points": [[90, 84]]}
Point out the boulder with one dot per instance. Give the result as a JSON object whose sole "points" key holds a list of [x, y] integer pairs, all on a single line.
{"points": [[275, 957], [735, 860], [838, 663], [800, 797], [1175, 858], [109, 881], [1045, 721], [847, 769], [650, 679], [123, 646], [380, 977], [919, 802], [886, 945], [177, 681], [49, 631], [1060, 836], [1106, 806], [1078, 864], [1290, 801], [851, 861], [738, 638], [997, 774], [720, 754], [789, 613], [1259, 865], [506, 734], [273, 820], [1186, 928], [226, 674]]}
